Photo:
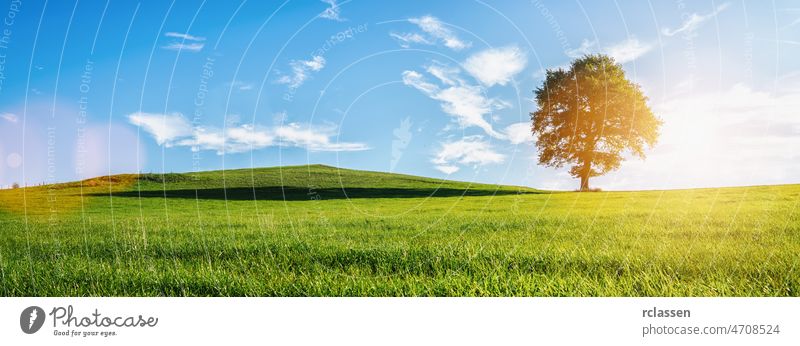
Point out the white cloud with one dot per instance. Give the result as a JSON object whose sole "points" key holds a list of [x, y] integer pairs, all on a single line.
{"points": [[519, 133], [496, 65], [333, 12], [466, 103], [435, 30], [187, 42], [174, 130], [205, 138], [446, 169], [235, 139], [164, 127], [694, 21], [248, 135], [469, 104], [10, 117], [315, 64], [301, 70], [468, 151], [628, 50]]}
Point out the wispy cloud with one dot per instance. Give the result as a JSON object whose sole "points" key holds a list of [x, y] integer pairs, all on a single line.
{"points": [[184, 42], [240, 85], [191, 47], [333, 12], [465, 103], [186, 37], [496, 65], [301, 70], [10, 117], [313, 138], [623, 52], [585, 48], [470, 151], [469, 106], [628, 50], [174, 130], [793, 23], [435, 31], [406, 39], [448, 75], [694, 21]]}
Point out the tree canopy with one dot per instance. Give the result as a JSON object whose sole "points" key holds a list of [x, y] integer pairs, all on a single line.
{"points": [[589, 115]]}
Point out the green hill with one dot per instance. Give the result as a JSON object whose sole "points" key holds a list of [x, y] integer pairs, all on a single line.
{"points": [[306, 182], [284, 183]]}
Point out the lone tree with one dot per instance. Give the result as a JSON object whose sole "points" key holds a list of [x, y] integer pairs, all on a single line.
{"points": [[588, 115]]}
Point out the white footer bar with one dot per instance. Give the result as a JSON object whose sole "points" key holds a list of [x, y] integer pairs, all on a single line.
{"points": [[400, 321]]}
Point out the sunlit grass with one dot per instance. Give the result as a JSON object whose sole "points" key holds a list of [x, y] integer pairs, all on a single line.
{"points": [[311, 238]]}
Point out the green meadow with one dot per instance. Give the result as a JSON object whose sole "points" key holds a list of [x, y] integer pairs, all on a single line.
{"points": [[322, 231]]}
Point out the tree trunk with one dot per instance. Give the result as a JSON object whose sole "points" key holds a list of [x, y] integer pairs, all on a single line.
{"points": [[585, 172]]}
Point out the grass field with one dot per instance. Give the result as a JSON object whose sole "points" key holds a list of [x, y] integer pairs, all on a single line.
{"points": [[323, 231]]}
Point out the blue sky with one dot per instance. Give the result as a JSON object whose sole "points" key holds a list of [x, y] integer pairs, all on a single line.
{"points": [[438, 89]]}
